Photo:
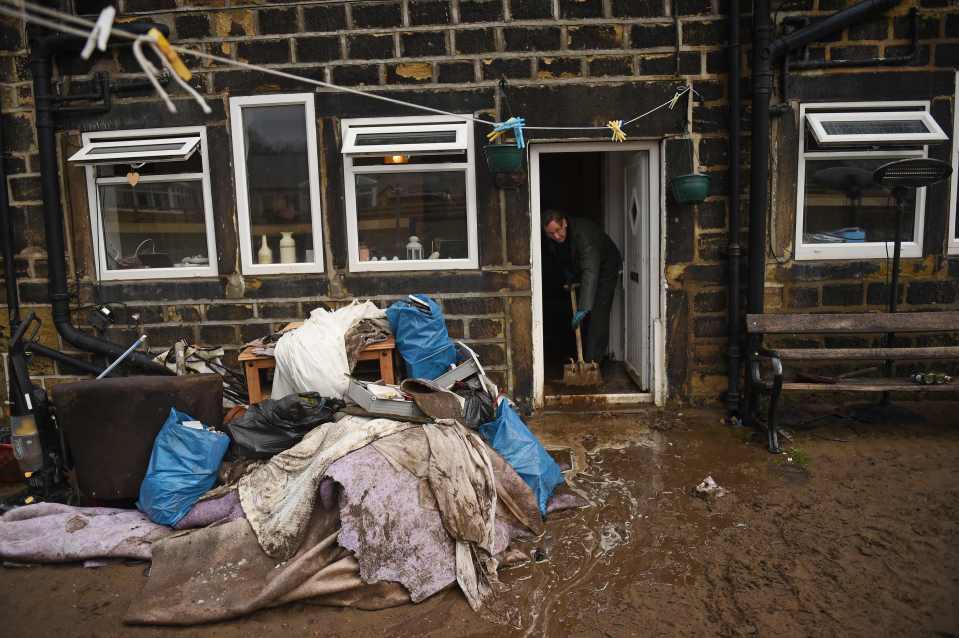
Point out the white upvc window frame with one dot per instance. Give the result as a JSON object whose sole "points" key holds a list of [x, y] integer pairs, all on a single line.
{"points": [[952, 245], [934, 134], [853, 250], [187, 146], [350, 172], [96, 218], [460, 143], [247, 249]]}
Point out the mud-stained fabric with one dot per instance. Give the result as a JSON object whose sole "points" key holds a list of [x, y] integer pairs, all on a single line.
{"points": [[362, 334], [279, 496], [221, 572], [53, 533], [213, 511]]}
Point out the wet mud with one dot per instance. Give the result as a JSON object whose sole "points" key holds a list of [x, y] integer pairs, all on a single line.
{"points": [[854, 531]]}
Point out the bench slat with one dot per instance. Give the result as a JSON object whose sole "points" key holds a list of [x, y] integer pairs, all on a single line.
{"points": [[869, 385], [868, 354], [852, 323]]}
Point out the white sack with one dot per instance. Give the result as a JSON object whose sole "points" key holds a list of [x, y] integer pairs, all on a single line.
{"points": [[312, 358]]}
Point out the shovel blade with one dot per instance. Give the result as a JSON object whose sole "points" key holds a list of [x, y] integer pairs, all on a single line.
{"points": [[581, 373]]}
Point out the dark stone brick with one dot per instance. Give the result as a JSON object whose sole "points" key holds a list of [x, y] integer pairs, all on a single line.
{"points": [[581, 8], [712, 214], [511, 68], [250, 82], [531, 9], [454, 327], [183, 313], [324, 18], [410, 73], [710, 327], [160, 291], [648, 36], [928, 27], [595, 37], [25, 188], [473, 306], [878, 294], [708, 32], [322, 48], [713, 152], [619, 65], [717, 62], [712, 247], [876, 29], [707, 119], [456, 72], [149, 5], [802, 297], [692, 7], [792, 5], [158, 336], [481, 11], [947, 55], [829, 270], [425, 12], [251, 331], [229, 312], [842, 294], [549, 68], [532, 39], [356, 74], [475, 41], [17, 132], [283, 310], [302, 286], [680, 233], [709, 90], [485, 328], [954, 267], [710, 301], [854, 53], [264, 51], [638, 8], [423, 43], [906, 49], [369, 16], [191, 25], [491, 354], [921, 293], [14, 165], [952, 26], [370, 47], [277, 21], [216, 335], [934, 4], [689, 64]]}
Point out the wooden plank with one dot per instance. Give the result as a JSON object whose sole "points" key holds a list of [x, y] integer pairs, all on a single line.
{"points": [[868, 354], [869, 385], [852, 323]]}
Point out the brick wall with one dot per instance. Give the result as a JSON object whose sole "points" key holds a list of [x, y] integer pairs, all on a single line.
{"points": [[566, 61]]}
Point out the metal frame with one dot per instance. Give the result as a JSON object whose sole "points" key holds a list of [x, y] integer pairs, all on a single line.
{"points": [[187, 146], [96, 218], [952, 241], [247, 250], [849, 250], [934, 134], [657, 278], [356, 128], [350, 172]]}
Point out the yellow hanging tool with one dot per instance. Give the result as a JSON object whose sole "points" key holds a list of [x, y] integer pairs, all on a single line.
{"points": [[167, 50], [616, 126]]}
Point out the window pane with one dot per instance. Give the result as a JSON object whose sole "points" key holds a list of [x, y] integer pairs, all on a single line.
{"points": [[192, 165], [139, 148], [154, 225], [278, 179], [877, 127], [405, 137], [393, 207], [843, 205]]}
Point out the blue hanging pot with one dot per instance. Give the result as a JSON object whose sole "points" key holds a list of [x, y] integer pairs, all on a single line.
{"points": [[690, 189]]}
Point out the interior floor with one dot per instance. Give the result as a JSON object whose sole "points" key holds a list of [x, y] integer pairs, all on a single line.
{"points": [[615, 381]]}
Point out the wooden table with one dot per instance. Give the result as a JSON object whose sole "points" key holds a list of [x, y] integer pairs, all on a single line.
{"points": [[254, 363]]}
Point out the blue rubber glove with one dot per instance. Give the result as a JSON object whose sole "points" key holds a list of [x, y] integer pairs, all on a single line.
{"points": [[578, 318]]}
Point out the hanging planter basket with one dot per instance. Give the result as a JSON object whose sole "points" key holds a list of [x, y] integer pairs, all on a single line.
{"points": [[690, 189], [503, 158]]}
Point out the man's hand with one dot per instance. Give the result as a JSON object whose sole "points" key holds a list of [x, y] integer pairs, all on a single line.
{"points": [[578, 318]]}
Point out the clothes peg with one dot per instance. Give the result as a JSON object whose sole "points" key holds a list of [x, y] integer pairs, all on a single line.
{"points": [[170, 55], [514, 124], [182, 81], [616, 126], [149, 70], [100, 34]]}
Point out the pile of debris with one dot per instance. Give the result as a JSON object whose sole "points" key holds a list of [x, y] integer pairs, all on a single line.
{"points": [[337, 491]]}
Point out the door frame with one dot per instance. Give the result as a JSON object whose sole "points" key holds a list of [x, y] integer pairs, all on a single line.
{"points": [[656, 274]]}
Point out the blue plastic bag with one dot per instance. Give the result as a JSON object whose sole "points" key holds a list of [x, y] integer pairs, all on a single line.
{"points": [[182, 467], [421, 338], [509, 436]]}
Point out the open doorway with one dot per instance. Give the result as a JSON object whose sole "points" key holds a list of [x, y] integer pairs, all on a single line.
{"points": [[616, 188]]}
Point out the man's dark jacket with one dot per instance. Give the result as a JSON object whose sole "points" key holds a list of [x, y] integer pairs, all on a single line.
{"points": [[594, 257]]}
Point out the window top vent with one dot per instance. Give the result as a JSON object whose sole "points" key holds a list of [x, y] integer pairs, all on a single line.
{"points": [[871, 128], [157, 149], [406, 139]]}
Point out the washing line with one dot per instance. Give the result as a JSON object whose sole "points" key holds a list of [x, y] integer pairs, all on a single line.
{"points": [[19, 8]]}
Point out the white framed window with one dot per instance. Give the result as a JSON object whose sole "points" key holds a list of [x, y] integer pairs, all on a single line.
{"points": [[840, 212], [276, 164], [410, 193], [883, 128], [952, 247], [151, 210]]}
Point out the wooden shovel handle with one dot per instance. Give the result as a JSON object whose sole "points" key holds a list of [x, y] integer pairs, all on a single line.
{"points": [[579, 335]]}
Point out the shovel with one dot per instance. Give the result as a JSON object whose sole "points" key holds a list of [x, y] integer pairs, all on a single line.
{"points": [[579, 372]]}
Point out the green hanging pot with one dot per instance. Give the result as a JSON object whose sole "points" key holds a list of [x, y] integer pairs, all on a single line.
{"points": [[503, 158], [690, 189]]}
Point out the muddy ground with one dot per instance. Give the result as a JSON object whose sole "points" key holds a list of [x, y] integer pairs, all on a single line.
{"points": [[856, 535]]}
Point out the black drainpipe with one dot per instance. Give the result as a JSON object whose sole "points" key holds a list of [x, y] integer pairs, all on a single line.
{"points": [[42, 51], [734, 249], [765, 51]]}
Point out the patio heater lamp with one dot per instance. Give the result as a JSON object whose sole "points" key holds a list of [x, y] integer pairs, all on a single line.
{"points": [[900, 177]]}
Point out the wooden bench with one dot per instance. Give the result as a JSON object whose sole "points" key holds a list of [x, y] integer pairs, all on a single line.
{"points": [[845, 324]]}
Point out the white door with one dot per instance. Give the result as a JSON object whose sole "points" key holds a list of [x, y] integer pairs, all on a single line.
{"points": [[636, 269]]}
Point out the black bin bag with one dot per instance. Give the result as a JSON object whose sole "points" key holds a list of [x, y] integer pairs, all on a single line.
{"points": [[271, 426]]}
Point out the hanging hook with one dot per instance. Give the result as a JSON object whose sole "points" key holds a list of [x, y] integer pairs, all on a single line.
{"points": [[100, 34]]}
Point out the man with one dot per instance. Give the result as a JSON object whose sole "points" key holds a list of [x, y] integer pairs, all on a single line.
{"points": [[590, 257]]}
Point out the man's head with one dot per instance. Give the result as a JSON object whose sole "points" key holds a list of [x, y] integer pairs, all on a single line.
{"points": [[554, 225]]}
